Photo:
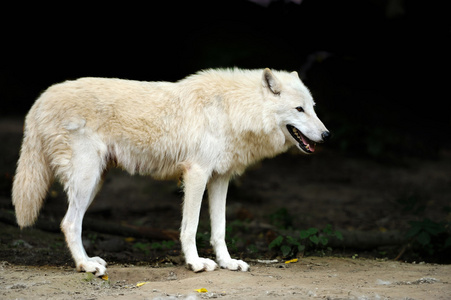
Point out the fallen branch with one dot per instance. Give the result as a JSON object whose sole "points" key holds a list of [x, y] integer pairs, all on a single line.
{"points": [[354, 239], [101, 227], [130, 230]]}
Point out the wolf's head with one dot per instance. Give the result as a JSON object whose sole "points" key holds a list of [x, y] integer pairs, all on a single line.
{"points": [[295, 110]]}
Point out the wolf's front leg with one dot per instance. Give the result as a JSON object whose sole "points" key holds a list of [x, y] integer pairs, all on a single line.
{"points": [[217, 194], [194, 180]]}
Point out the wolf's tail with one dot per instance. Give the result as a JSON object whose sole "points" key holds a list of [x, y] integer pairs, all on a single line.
{"points": [[33, 176]]}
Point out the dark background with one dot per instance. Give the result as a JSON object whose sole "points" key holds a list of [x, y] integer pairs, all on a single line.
{"points": [[380, 86]]}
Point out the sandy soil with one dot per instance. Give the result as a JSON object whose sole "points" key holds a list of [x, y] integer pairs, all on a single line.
{"points": [[329, 278]]}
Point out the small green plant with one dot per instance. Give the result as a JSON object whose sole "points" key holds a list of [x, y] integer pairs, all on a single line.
{"points": [[89, 277], [281, 219], [429, 236], [57, 245], [146, 247], [311, 239], [252, 249], [285, 245], [232, 234], [202, 239], [163, 245], [412, 203], [93, 237]]}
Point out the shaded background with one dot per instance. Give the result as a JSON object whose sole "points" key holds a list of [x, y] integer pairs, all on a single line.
{"points": [[378, 70]]}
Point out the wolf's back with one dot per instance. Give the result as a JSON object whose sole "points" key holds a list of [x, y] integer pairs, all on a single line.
{"points": [[33, 175]]}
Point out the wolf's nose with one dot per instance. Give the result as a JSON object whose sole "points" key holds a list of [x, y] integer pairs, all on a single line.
{"points": [[326, 136]]}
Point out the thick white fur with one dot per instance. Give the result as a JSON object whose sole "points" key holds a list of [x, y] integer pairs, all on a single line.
{"points": [[206, 128]]}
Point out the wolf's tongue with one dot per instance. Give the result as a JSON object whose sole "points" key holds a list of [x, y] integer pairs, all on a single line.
{"points": [[310, 145]]}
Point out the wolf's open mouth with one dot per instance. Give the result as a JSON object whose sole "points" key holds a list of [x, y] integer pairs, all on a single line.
{"points": [[304, 143]]}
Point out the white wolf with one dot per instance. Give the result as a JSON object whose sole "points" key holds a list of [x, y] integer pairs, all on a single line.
{"points": [[204, 128]]}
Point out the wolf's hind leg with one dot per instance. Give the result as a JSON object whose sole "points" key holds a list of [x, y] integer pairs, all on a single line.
{"points": [[194, 180], [217, 193], [82, 185]]}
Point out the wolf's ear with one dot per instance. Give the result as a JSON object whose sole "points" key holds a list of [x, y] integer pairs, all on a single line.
{"points": [[295, 74], [271, 82]]}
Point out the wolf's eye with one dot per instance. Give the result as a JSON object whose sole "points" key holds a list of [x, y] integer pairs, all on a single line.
{"points": [[299, 109]]}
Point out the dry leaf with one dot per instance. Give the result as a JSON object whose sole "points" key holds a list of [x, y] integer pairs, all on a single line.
{"points": [[291, 261], [142, 283]]}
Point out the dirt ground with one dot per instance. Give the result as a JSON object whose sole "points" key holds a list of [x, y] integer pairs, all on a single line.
{"points": [[350, 193], [326, 278]]}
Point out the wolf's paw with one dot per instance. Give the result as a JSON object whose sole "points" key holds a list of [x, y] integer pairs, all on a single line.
{"points": [[234, 265], [98, 260], [201, 264], [94, 265]]}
